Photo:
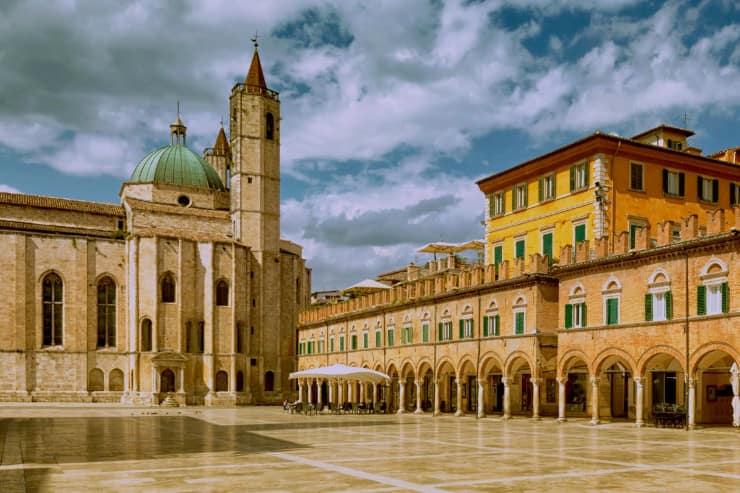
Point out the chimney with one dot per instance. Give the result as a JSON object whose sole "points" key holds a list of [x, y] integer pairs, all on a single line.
{"points": [[412, 272]]}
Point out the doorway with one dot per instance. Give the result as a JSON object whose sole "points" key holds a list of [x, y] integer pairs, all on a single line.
{"points": [[167, 381]]}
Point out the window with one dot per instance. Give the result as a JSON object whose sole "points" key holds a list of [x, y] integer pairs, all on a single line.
{"points": [[635, 225], [547, 244], [445, 330], [378, 338], [673, 183], [391, 335], [146, 335], [636, 177], [269, 381], [713, 299], [579, 233], [201, 337], [106, 313], [331, 344], [547, 188], [466, 328], [664, 387], [612, 311], [365, 340], [222, 293], [519, 197], [353, 341], [407, 335], [269, 126], [579, 176], [734, 194], [425, 332], [496, 204], [239, 338], [491, 325], [519, 248], [341, 343], [168, 288], [675, 145], [52, 313], [575, 315], [708, 189], [519, 321], [658, 306]]}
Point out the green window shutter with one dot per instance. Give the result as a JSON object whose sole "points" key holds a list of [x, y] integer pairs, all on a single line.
{"points": [[541, 191], [725, 297], [498, 254], [526, 195], [513, 199], [583, 315], [462, 328], [547, 245], [554, 185], [648, 307], [572, 178], [668, 305], [612, 311], [580, 233], [425, 333], [441, 333], [410, 336], [485, 326], [472, 327], [496, 325], [491, 201], [568, 316], [701, 300], [341, 343], [519, 249], [365, 341], [331, 345], [586, 170], [633, 234], [520, 323], [377, 339]]}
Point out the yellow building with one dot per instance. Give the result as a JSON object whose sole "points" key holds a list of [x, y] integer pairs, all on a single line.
{"points": [[601, 186]]}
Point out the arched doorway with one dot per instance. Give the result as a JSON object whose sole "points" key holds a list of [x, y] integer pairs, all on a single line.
{"points": [[664, 382], [447, 387], [713, 388], [493, 394], [167, 381], [576, 387], [520, 391], [222, 381]]}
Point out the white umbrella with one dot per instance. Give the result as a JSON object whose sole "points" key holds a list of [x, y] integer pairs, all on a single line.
{"points": [[342, 372]]}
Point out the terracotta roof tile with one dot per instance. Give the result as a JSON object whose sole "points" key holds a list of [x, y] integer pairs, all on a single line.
{"points": [[255, 77], [61, 204]]}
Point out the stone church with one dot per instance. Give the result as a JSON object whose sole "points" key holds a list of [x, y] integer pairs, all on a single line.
{"points": [[185, 293]]}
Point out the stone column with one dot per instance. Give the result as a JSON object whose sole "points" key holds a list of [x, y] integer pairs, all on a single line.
{"points": [[418, 396], [331, 394], [507, 397], [350, 391], [481, 397], [459, 403], [181, 387], [436, 398], [318, 392], [536, 397], [309, 391], [363, 392], [595, 400], [340, 394], [375, 393], [401, 396], [155, 380], [691, 405], [300, 390], [639, 397], [561, 399]]}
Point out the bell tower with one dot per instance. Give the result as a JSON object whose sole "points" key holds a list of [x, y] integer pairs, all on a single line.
{"points": [[254, 124]]}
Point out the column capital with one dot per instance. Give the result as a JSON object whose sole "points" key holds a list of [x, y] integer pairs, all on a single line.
{"points": [[536, 381], [562, 380], [692, 383], [418, 382], [595, 380], [482, 381], [507, 381], [639, 380]]}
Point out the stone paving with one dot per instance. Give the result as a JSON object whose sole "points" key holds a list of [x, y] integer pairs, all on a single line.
{"points": [[100, 448]]}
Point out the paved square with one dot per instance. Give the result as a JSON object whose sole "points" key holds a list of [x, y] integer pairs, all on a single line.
{"points": [[263, 449]]}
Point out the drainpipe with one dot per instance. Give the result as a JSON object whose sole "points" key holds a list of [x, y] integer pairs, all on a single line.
{"points": [[477, 359], [434, 334], [686, 334]]}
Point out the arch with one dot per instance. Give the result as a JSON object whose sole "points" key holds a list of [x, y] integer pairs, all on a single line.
{"points": [[240, 381], [379, 367], [446, 313], [146, 334], [468, 308], [269, 381], [392, 368], [577, 290], [406, 318], [489, 360], [513, 357], [464, 362], [616, 353], [95, 380], [426, 315], [167, 287], [422, 365], [106, 288], [269, 126], [115, 380], [222, 381], [653, 278], [222, 293], [569, 356], [445, 361], [611, 284], [407, 368], [709, 347], [52, 305], [713, 262], [167, 381], [649, 353], [520, 300], [493, 305]]}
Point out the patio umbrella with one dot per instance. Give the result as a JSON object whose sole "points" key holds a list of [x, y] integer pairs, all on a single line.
{"points": [[342, 372]]}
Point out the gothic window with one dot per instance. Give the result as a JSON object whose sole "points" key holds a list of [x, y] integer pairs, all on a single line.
{"points": [[222, 381], [95, 380], [106, 312], [269, 381], [168, 288], [115, 380], [269, 126], [52, 300], [222, 293], [146, 335]]}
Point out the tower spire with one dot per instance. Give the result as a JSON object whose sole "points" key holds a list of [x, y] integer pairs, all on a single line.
{"points": [[178, 130], [255, 76]]}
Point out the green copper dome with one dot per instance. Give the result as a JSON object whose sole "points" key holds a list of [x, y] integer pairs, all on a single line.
{"points": [[177, 165]]}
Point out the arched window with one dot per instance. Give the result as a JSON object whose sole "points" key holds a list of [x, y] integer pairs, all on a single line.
{"points": [[222, 381], [106, 312], [201, 336], [269, 381], [95, 380], [52, 313], [115, 380], [168, 288], [222, 293], [239, 381], [269, 126], [146, 335]]}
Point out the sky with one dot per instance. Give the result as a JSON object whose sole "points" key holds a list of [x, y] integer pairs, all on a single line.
{"points": [[391, 110]]}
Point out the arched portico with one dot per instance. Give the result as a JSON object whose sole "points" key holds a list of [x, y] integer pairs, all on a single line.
{"points": [[491, 386], [573, 386], [445, 393], [519, 391], [663, 380], [710, 387]]}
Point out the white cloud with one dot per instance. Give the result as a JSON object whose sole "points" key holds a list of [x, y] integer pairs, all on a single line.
{"points": [[8, 188]]}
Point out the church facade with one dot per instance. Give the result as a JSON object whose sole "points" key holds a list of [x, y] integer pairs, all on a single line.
{"points": [[183, 294]]}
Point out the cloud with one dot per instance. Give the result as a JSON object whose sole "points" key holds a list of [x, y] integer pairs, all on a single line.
{"points": [[8, 188]]}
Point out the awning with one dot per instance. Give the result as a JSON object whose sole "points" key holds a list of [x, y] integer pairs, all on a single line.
{"points": [[452, 248], [365, 287], [342, 372]]}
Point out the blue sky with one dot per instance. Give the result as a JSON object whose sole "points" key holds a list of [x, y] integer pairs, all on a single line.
{"points": [[390, 109]]}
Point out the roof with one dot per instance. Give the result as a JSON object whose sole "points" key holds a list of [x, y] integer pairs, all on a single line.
{"points": [[366, 286], [678, 130], [177, 165], [221, 147], [255, 76], [61, 204], [451, 248]]}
